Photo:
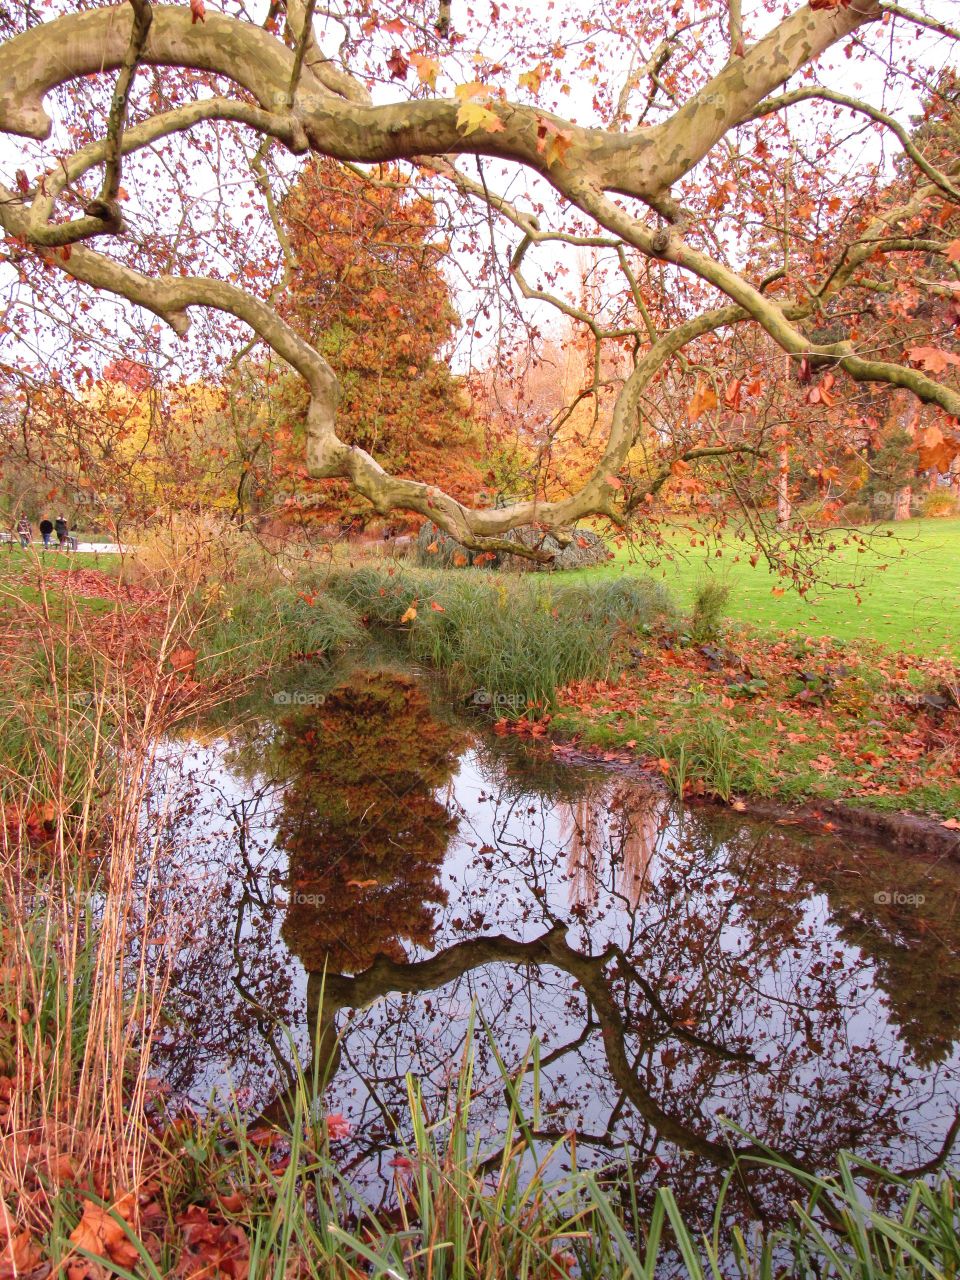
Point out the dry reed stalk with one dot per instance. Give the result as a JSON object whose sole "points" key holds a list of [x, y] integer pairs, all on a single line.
{"points": [[88, 961]]}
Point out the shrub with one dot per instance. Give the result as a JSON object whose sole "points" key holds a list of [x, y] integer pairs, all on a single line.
{"points": [[709, 606], [855, 513], [255, 630], [516, 640], [940, 503]]}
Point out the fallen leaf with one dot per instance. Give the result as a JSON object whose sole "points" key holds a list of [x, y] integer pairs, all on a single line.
{"points": [[100, 1233]]}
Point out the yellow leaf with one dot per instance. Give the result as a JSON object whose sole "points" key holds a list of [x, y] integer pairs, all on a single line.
{"points": [[472, 116], [532, 79], [410, 614], [464, 92]]}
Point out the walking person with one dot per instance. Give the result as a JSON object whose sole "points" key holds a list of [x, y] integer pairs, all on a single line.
{"points": [[46, 530], [63, 531], [25, 532]]}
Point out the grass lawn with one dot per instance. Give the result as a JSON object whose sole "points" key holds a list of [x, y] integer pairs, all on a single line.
{"points": [[16, 560], [19, 582], [912, 603]]}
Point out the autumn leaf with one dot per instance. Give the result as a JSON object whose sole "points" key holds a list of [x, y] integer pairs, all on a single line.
{"points": [[820, 394], [935, 450], [397, 65], [409, 615], [732, 394], [433, 548], [198, 12], [474, 89], [473, 116], [437, 608], [532, 79], [704, 399], [553, 143], [933, 359], [102, 1234], [953, 251], [19, 1255], [337, 1126], [427, 69]]}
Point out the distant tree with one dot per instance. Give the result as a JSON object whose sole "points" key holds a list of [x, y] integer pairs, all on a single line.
{"points": [[365, 286]]}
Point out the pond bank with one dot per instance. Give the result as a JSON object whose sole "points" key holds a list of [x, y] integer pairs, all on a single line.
{"points": [[908, 831], [716, 709]]}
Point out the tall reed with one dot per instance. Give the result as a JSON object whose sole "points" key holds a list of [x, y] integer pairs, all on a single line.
{"points": [[86, 964]]}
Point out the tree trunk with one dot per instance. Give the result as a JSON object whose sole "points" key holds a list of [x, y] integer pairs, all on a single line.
{"points": [[784, 505], [901, 503]]}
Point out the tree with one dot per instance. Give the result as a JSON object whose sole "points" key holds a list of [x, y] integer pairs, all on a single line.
{"points": [[677, 182], [366, 289]]}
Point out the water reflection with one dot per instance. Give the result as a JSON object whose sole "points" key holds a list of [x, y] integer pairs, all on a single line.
{"points": [[370, 868]]}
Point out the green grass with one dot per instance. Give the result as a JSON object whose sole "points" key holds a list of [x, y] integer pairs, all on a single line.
{"points": [[15, 558], [913, 603], [256, 630], [516, 638]]}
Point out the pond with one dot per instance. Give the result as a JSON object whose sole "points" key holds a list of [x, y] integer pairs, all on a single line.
{"points": [[356, 865]]}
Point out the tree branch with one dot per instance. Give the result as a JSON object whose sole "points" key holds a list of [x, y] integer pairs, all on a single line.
{"points": [[105, 207]]}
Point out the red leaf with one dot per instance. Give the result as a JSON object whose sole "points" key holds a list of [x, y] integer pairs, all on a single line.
{"points": [[198, 12], [397, 65], [338, 1126]]}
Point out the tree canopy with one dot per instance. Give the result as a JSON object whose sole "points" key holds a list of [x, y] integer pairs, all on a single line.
{"points": [[724, 201]]}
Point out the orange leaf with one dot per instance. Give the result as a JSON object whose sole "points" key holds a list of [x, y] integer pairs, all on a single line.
{"points": [[531, 79], [409, 615], [704, 399], [932, 359], [427, 69], [100, 1233], [437, 608]]}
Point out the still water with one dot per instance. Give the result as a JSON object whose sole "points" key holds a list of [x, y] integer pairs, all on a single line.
{"points": [[357, 866]]}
